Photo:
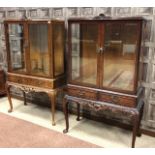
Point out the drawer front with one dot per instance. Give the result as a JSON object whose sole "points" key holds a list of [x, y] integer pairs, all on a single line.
{"points": [[82, 93], [31, 81], [118, 99]]}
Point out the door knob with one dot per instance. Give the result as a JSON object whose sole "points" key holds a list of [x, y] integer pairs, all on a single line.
{"points": [[101, 49]]}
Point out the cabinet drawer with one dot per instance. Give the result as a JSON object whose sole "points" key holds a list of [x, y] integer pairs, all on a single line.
{"points": [[82, 93], [37, 82], [118, 99]]}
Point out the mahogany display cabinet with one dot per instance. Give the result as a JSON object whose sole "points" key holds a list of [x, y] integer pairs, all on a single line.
{"points": [[35, 54], [2, 82], [104, 69]]}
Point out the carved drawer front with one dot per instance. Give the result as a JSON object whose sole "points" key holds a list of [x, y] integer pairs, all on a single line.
{"points": [[82, 93], [31, 81], [118, 99]]}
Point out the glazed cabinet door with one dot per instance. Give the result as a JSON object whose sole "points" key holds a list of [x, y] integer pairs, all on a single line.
{"points": [[16, 46], [58, 41], [120, 55], [38, 49], [83, 47]]}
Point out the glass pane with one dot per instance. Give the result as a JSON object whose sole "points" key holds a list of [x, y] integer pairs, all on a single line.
{"points": [[16, 47], [58, 46], [121, 43], [84, 40], [39, 56]]}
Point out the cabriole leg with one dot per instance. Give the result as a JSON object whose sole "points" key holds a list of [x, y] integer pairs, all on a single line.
{"points": [[52, 96], [78, 112], [24, 95], [135, 129], [9, 96], [65, 109], [140, 118]]}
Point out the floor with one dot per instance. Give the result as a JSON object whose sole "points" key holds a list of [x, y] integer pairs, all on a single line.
{"points": [[95, 132]]}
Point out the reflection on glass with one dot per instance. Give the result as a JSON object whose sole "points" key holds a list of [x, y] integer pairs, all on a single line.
{"points": [[84, 38], [119, 57], [39, 57], [16, 47], [58, 43]]}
